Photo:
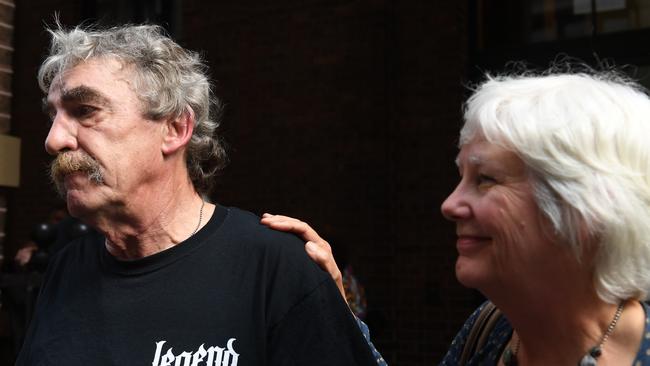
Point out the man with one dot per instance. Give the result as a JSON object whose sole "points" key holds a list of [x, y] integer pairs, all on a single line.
{"points": [[173, 279]]}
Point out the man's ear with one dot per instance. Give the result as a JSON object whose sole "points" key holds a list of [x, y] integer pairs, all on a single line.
{"points": [[177, 132]]}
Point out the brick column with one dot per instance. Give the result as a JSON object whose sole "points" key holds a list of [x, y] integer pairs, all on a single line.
{"points": [[6, 53]]}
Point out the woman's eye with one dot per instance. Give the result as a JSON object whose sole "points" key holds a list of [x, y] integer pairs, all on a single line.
{"points": [[484, 181]]}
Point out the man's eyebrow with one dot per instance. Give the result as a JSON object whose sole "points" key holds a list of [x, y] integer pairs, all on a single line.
{"points": [[84, 94]]}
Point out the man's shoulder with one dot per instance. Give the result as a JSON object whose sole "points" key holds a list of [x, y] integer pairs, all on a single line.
{"points": [[279, 252], [246, 228]]}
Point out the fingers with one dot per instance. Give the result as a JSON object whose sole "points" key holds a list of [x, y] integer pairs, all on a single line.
{"points": [[289, 224], [321, 253]]}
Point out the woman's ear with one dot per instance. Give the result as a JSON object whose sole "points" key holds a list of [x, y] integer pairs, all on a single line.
{"points": [[177, 132]]}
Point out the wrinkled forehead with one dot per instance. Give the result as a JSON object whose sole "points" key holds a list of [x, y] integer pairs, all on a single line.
{"points": [[95, 70], [100, 81]]}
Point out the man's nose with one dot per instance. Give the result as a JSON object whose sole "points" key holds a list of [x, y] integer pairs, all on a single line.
{"points": [[62, 135]]}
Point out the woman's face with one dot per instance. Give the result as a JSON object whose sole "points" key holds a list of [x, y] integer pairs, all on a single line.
{"points": [[501, 232]]}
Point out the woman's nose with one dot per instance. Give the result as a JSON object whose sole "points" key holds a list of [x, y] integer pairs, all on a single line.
{"points": [[456, 207]]}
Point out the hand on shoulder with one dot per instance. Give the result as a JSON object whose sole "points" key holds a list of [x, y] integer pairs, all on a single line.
{"points": [[317, 248]]}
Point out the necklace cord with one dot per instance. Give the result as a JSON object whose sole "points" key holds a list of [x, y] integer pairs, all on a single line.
{"points": [[509, 357], [200, 218]]}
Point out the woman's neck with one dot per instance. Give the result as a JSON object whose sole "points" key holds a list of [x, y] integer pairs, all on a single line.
{"points": [[560, 330]]}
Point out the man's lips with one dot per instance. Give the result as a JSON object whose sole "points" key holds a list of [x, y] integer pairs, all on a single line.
{"points": [[74, 179], [468, 244]]}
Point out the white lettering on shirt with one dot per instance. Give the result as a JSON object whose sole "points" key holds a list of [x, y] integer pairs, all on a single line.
{"points": [[213, 356]]}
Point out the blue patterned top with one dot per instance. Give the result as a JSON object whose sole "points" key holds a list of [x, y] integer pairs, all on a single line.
{"points": [[366, 335], [500, 335]]}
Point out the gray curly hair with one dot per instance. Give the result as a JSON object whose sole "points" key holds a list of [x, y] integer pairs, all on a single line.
{"points": [[169, 79]]}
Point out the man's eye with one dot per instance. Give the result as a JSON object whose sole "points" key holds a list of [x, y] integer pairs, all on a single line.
{"points": [[82, 111]]}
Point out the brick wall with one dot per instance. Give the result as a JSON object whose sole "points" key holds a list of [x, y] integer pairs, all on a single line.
{"points": [[345, 113], [6, 53], [341, 112]]}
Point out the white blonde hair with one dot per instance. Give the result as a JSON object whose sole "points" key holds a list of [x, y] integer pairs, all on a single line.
{"points": [[585, 139]]}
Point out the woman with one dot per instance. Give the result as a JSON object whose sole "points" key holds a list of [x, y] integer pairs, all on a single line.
{"points": [[552, 215]]}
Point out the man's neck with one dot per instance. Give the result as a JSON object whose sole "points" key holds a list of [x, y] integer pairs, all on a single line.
{"points": [[153, 220]]}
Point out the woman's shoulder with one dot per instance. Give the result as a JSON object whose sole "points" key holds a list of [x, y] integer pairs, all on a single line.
{"points": [[483, 346]]}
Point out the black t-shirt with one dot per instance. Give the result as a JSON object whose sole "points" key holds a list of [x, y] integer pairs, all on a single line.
{"points": [[235, 293]]}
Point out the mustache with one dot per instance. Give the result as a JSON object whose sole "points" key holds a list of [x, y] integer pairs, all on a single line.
{"points": [[71, 162]]}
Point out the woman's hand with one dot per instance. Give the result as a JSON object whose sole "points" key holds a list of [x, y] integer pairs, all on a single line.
{"points": [[317, 248]]}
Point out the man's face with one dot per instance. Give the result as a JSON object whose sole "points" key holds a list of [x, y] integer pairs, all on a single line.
{"points": [[106, 151]]}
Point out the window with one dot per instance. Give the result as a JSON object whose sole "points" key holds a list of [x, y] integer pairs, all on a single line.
{"points": [[540, 31]]}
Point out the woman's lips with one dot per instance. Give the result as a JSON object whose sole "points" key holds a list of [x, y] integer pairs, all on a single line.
{"points": [[468, 244]]}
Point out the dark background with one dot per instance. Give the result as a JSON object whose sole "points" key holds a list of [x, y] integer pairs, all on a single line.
{"points": [[343, 113]]}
